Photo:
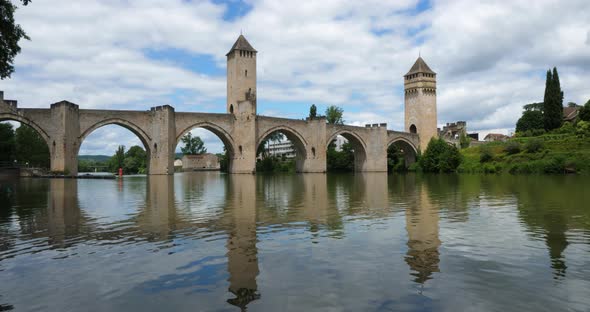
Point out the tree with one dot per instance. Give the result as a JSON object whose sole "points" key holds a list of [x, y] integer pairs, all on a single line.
{"points": [[118, 160], [31, 148], [313, 111], [440, 157], [10, 34], [585, 112], [334, 115], [552, 101], [464, 140], [192, 145], [530, 120], [135, 160], [7, 142], [265, 144]]}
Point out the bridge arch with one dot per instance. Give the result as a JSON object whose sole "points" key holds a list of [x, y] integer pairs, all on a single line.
{"points": [[358, 145], [221, 133], [135, 129], [299, 143], [408, 150], [28, 122]]}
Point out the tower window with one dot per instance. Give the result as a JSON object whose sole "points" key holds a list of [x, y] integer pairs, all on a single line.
{"points": [[413, 129], [246, 73]]}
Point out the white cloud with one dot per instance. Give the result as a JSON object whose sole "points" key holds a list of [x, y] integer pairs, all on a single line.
{"points": [[490, 56]]}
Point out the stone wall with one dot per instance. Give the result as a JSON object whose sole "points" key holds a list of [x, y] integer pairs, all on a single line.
{"points": [[200, 162]]}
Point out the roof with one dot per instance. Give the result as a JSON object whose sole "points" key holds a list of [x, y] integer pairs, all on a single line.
{"points": [[242, 44], [420, 67], [570, 113]]}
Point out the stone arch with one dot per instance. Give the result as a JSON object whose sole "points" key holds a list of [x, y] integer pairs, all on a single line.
{"points": [[140, 133], [358, 145], [407, 148], [296, 139], [221, 133], [28, 122]]}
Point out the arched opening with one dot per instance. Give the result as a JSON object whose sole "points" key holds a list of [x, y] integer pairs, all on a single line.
{"points": [[231, 108], [281, 150], [23, 145], [413, 129], [400, 156], [345, 152], [203, 147], [110, 145]]}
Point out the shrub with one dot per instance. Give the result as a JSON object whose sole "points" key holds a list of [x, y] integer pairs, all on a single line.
{"points": [[583, 128], [440, 157], [486, 154], [512, 148], [538, 132], [534, 145]]}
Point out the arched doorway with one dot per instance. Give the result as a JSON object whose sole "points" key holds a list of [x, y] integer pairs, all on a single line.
{"points": [[413, 129], [281, 149], [346, 152], [112, 144]]}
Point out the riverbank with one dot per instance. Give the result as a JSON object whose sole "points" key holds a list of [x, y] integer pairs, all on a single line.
{"points": [[545, 154]]}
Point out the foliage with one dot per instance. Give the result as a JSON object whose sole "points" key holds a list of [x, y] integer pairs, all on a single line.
{"points": [[334, 115], [263, 148], [464, 141], [10, 34], [486, 154], [224, 160], [583, 128], [530, 120], [135, 160], [566, 128], [396, 161], [553, 101], [275, 164], [512, 148], [192, 145], [7, 142], [534, 145], [585, 112], [534, 107], [31, 148], [313, 111], [440, 157], [340, 160]]}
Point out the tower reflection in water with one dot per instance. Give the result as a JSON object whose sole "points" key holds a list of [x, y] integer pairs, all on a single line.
{"points": [[242, 254], [423, 241]]}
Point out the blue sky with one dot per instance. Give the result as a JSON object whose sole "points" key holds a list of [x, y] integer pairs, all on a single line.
{"points": [[490, 57]]}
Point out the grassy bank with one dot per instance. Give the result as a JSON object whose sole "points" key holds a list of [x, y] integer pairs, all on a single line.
{"points": [[549, 153]]}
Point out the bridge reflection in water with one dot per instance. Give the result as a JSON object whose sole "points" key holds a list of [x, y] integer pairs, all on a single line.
{"points": [[248, 213]]}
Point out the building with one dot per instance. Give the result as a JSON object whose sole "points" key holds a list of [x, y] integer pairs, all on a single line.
{"points": [[453, 130], [200, 162], [493, 137], [281, 149], [570, 113], [177, 163], [420, 102]]}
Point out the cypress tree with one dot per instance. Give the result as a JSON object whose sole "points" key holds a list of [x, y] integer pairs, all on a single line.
{"points": [[552, 102]]}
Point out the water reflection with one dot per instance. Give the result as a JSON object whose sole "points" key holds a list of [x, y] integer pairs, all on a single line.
{"points": [[217, 229]]}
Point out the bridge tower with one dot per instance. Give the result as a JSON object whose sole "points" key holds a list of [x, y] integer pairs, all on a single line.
{"points": [[420, 102], [241, 77]]}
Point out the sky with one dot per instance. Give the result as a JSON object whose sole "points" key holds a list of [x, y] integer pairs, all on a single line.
{"points": [[491, 57]]}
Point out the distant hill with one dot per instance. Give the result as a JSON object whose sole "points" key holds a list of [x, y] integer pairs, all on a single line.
{"points": [[96, 158]]}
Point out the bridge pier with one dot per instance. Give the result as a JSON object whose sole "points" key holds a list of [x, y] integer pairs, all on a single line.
{"points": [[163, 140], [63, 138]]}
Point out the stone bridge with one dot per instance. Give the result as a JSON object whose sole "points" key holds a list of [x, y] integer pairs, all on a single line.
{"points": [[64, 126]]}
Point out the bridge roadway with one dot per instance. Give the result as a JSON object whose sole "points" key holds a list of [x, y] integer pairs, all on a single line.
{"points": [[64, 127]]}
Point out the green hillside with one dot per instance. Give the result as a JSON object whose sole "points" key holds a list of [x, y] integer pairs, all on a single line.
{"points": [[95, 158]]}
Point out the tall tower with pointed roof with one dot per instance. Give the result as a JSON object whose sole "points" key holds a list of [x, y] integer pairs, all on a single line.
{"points": [[241, 77], [420, 102]]}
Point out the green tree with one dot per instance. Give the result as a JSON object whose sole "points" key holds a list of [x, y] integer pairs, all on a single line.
{"points": [[585, 112], [118, 160], [31, 148], [552, 101], [192, 145], [7, 142], [340, 160], [464, 140], [334, 115], [135, 160], [440, 157], [10, 34], [530, 120], [313, 111]]}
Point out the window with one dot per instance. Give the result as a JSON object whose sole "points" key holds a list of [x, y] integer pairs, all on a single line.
{"points": [[246, 73], [413, 129]]}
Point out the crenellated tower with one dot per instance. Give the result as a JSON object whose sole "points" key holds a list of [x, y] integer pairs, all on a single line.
{"points": [[420, 102], [241, 77]]}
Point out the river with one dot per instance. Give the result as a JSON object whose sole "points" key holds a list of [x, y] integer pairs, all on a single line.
{"points": [[352, 242]]}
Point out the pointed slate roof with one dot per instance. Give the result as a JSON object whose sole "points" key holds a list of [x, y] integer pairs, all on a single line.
{"points": [[420, 67], [242, 44]]}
